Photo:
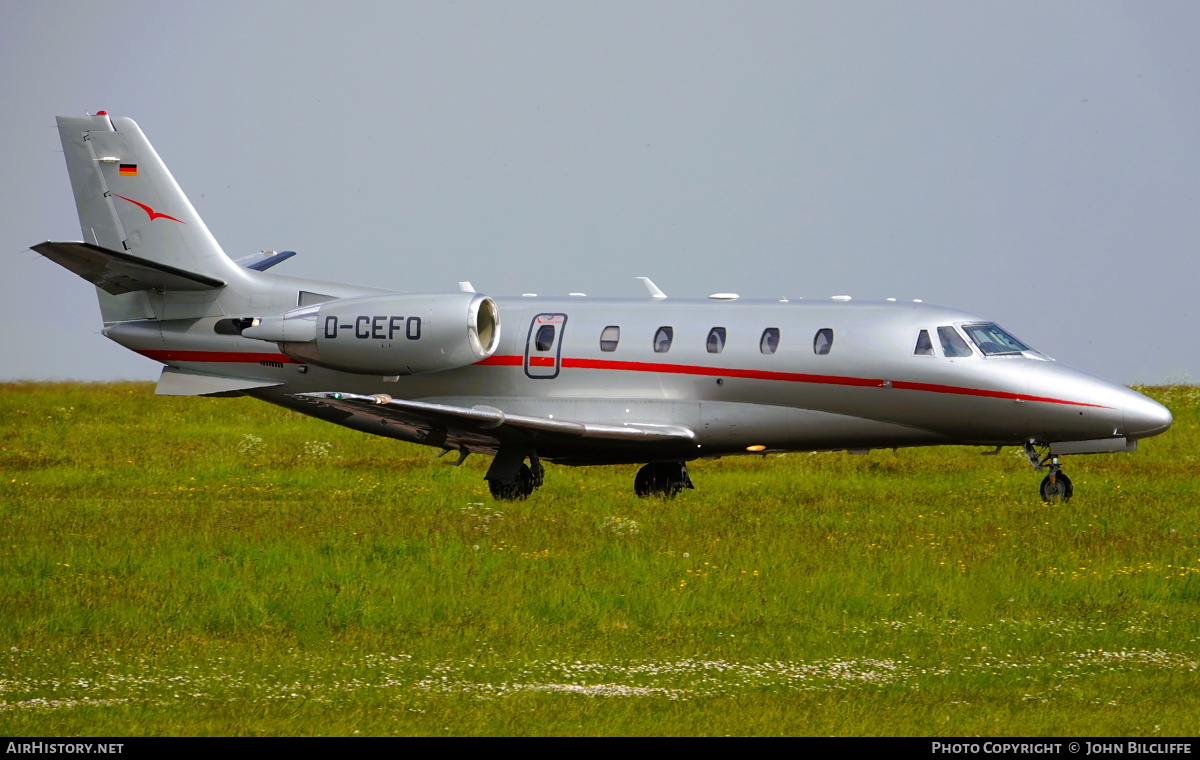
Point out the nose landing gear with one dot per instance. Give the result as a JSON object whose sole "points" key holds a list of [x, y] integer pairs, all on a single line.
{"points": [[1056, 487]]}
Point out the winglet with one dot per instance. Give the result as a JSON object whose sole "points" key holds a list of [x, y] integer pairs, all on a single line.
{"points": [[655, 293]]}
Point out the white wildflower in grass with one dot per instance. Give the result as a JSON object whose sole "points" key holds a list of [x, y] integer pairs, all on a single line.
{"points": [[250, 445], [480, 516], [317, 449], [621, 526], [485, 512]]}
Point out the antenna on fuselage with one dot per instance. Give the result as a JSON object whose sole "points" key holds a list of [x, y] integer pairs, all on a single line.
{"points": [[655, 293], [466, 287]]}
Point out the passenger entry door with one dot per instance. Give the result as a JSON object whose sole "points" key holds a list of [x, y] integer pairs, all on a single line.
{"points": [[543, 346]]}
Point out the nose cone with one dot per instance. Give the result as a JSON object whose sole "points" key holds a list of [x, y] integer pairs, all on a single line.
{"points": [[1145, 417]]}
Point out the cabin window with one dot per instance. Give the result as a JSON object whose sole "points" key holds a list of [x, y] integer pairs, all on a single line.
{"points": [[924, 345], [823, 341], [993, 341], [769, 342], [609, 338], [544, 340], [662, 339], [716, 340], [952, 343]]}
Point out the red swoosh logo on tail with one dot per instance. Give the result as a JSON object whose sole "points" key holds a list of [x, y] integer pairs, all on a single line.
{"points": [[149, 211]]}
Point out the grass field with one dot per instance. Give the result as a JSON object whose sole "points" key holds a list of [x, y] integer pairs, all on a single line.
{"points": [[223, 567]]}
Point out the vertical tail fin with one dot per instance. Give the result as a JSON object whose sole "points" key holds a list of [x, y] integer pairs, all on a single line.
{"points": [[128, 201]]}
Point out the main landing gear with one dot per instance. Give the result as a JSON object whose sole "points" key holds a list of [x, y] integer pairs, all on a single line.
{"points": [[510, 479], [1056, 486], [518, 490], [665, 479]]}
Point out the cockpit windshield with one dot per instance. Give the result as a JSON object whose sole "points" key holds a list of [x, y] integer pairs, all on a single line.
{"points": [[952, 343], [993, 341]]}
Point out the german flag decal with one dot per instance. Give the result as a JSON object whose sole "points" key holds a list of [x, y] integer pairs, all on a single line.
{"points": [[128, 170]]}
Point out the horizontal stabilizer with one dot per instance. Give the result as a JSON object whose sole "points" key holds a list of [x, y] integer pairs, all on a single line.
{"points": [[117, 273], [261, 262], [485, 419], [184, 382]]}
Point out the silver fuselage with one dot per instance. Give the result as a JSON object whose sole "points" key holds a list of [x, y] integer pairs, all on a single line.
{"points": [[869, 391]]}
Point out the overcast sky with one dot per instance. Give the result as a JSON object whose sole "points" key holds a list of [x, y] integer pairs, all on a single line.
{"points": [[1036, 163]]}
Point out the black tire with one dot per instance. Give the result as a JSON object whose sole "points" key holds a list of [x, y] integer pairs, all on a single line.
{"points": [[663, 479], [1059, 490], [646, 480], [518, 491]]}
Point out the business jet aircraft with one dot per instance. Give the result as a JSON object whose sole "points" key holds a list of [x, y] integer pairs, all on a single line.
{"points": [[578, 381]]}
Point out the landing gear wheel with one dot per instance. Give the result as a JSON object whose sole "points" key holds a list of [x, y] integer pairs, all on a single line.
{"points": [[518, 491], [665, 479], [1056, 487]]}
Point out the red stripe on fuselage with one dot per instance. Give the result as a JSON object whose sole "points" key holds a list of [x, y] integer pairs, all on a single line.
{"points": [[241, 357], [751, 374], [501, 361], [931, 388], [670, 369], [787, 377]]}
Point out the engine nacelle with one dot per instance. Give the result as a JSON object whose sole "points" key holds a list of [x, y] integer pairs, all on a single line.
{"points": [[387, 335]]}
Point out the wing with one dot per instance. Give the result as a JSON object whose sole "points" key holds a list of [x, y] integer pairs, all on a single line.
{"points": [[484, 428]]}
